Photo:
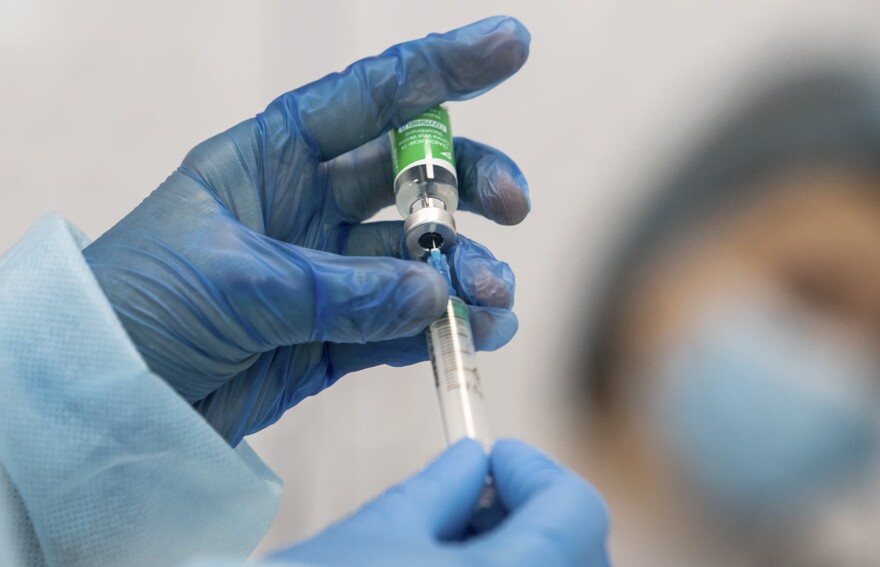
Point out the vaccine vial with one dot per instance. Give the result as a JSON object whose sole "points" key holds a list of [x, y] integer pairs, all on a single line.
{"points": [[425, 181]]}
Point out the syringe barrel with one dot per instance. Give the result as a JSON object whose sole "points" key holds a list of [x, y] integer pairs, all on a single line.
{"points": [[453, 358]]}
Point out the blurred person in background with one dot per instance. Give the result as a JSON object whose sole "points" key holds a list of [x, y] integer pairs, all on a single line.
{"points": [[734, 370]]}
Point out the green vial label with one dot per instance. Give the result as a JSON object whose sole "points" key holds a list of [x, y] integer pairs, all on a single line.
{"points": [[425, 140]]}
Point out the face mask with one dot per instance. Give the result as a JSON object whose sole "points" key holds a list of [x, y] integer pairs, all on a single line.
{"points": [[764, 406]]}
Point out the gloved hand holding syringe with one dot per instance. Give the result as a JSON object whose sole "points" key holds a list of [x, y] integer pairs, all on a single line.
{"points": [[426, 194]]}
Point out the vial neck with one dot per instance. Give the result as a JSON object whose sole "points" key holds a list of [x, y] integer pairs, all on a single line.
{"points": [[425, 202]]}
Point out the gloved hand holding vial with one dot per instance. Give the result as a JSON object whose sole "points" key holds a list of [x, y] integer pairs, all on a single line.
{"points": [[134, 366]]}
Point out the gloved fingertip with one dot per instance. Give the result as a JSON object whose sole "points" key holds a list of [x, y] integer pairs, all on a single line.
{"points": [[514, 457], [461, 455], [533, 471], [495, 49], [368, 300], [521, 471], [468, 448], [518, 203], [481, 278], [507, 447], [461, 460], [505, 194], [422, 294], [492, 328], [491, 184], [517, 53], [520, 29]]}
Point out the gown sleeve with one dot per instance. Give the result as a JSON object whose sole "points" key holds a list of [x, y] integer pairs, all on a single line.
{"points": [[101, 462]]}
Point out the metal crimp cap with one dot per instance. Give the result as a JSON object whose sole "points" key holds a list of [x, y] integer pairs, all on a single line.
{"points": [[428, 228]]}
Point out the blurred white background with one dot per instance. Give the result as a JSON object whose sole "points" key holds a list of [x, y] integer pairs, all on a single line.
{"points": [[101, 99]]}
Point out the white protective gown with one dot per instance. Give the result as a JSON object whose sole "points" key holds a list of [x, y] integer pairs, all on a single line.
{"points": [[101, 462]]}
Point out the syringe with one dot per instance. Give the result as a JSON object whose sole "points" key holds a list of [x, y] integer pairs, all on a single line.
{"points": [[454, 360], [426, 192]]}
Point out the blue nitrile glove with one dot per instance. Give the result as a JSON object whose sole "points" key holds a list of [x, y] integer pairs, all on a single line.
{"points": [[551, 517], [247, 279]]}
